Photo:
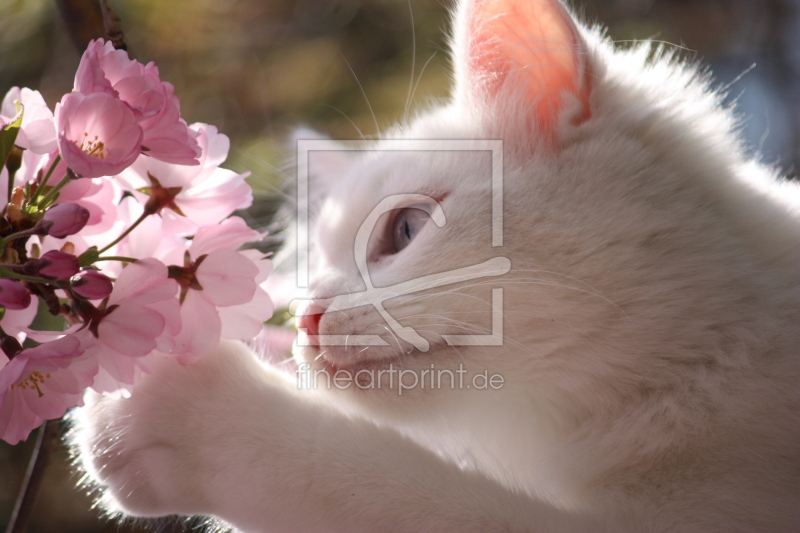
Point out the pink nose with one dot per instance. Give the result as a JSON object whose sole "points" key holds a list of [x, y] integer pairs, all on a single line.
{"points": [[310, 318]]}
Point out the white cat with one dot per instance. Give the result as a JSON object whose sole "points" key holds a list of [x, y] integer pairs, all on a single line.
{"points": [[650, 366]]}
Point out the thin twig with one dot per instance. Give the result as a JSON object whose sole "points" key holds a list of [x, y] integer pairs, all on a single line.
{"points": [[46, 442]]}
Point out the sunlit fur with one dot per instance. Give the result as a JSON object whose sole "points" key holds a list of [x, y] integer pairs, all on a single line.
{"points": [[652, 338]]}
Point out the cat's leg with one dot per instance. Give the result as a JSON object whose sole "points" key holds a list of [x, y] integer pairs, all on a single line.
{"points": [[230, 438]]}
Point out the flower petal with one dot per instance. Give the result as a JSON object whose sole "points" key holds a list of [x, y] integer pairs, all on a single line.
{"points": [[131, 329], [227, 278]]}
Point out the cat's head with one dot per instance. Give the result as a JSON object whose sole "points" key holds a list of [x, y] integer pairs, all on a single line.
{"points": [[608, 165]]}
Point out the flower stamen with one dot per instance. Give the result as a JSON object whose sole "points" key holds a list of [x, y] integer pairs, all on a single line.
{"points": [[32, 382], [94, 147]]}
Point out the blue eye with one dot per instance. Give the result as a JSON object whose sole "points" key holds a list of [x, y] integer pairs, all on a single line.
{"points": [[406, 225]]}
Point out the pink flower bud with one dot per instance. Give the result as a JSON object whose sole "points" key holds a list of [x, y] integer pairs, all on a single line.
{"points": [[13, 295], [91, 284], [54, 265], [66, 219]]}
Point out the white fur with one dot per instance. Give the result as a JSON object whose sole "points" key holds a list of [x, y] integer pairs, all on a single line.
{"points": [[651, 356]]}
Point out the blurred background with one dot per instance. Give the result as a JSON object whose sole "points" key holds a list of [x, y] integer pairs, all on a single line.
{"points": [[257, 68]]}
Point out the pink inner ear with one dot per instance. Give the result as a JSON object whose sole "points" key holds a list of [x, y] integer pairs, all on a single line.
{"points": [[538, 37]]}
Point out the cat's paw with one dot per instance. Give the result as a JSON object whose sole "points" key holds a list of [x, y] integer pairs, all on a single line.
{"points": [[148, 452], [121, 450]]}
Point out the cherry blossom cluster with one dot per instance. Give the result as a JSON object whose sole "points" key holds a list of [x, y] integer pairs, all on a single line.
{"points": [[117, 244]]}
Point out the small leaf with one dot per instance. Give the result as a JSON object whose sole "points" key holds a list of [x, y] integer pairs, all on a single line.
{"points": [[89, 256], [8, 134]]}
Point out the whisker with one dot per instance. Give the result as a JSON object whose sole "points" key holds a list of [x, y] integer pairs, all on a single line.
{"points": [[520, 281], [421, 72], [363, 92], [473, 328], [413, 62], [399, 346], [349, 120]]}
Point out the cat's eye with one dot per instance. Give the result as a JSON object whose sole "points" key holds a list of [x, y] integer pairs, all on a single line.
{"points": [[406, 225]]}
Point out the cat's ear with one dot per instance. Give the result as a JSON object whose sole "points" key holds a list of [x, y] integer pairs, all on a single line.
{"points": [[522, 57]]}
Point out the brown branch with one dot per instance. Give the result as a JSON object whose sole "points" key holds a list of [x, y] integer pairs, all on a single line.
{"points": [[46, 442], [112, 25], [84, 21], [91, 19]]}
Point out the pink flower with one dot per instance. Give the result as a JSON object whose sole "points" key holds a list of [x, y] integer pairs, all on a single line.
{"points": [[166, 136], [91, 284], [205, 194], [220, 289], [97, 134], [41, 383], [105, 69], [221, 278], [13, 295], [38, 132], [65, 219], [141, 288], [142, 315]]}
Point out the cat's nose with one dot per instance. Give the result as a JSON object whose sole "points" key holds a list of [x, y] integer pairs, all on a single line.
{"points": [[310, 318]]}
